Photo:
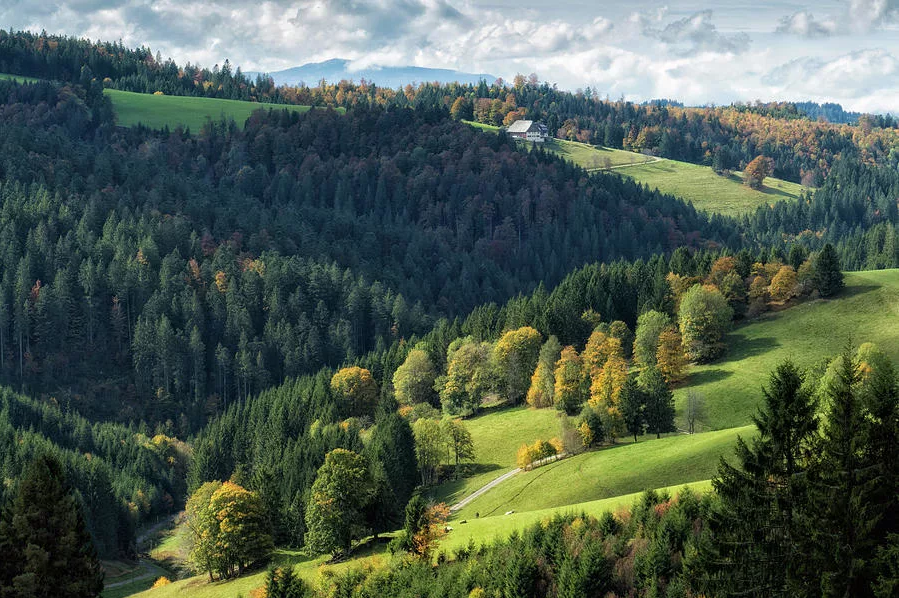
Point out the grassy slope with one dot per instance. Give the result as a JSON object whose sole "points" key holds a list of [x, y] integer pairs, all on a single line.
{"points": [[610, 472], [697, 184], [866, 311], [488, 528], [139, 585], [709, 191], [160, 111], [497, 437]]}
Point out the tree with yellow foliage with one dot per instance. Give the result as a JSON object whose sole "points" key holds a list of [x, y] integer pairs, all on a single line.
{"points": [[670, 355], [357, 389], [572, 382], [515, 355]]}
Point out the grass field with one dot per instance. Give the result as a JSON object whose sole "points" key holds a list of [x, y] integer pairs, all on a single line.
{"points": [[136, 573], [161, 111], [19, 78], [497, 436], [867, 310], [614, 471], [709, 191], [692, 182], [489, 528]]}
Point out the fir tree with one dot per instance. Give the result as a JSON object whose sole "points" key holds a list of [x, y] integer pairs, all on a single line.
{"points": [[50, 551], [828, 272]]}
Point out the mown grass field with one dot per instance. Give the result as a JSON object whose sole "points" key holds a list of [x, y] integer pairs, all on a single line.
{"points": [[867, 310], [497, 436], [692, 182], [708, 190], [614, 471], [162, 111], [485, 529]]}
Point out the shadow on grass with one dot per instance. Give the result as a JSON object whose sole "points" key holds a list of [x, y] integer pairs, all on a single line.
{"points": [[741, 347], [708, 376], [855, 290]]}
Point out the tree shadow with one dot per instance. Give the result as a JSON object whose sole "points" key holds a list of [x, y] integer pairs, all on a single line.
{"points": [[708, 376], [855, 290], [740, 347]]}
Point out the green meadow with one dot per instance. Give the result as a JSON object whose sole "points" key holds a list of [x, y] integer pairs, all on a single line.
{"points": [[159, 111], [867, 310]]}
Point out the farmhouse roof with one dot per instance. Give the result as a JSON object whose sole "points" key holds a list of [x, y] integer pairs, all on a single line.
{"points": [[520, 126]]}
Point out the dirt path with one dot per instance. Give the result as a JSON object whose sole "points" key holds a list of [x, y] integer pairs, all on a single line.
{"points": [[493, 484], [149, 571]]}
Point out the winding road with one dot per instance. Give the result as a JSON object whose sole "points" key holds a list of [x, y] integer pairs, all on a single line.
{"points": [[493, 484]]}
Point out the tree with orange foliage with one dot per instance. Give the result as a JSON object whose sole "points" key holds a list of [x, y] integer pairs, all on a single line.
{"points": [[757, 171], [784, 284], [425, 525]]}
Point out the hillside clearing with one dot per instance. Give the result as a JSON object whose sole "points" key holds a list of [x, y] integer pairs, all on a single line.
{"points": [[709, 191], [159, 111], [614, 471], [19, 78], [867, 310]]}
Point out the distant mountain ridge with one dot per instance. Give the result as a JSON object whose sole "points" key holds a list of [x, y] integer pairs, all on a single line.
{"points": [[337, 69]]}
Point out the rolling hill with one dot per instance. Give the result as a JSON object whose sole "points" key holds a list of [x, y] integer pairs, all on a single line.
{"points": [[338, 69]]}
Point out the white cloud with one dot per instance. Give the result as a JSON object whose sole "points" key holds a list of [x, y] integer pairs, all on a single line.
{"points": [[804, 24], [697, 33]]}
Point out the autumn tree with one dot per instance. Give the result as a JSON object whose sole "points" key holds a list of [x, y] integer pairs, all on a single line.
{"points": [[203, 528], [670, 357], [783, 285], [357, 390], [515, 356], [704, 317], [605, 389], [650, 325], [572, 382], [425, 524], [757, 171], [243, 536], [334, 516], [542, 389], [413, 381]]}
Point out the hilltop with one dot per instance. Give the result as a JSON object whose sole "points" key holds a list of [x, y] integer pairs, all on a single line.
{"points": [[339, 69]]}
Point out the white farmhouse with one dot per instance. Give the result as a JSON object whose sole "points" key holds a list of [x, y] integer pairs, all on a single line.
{"points": [[528, 130]]}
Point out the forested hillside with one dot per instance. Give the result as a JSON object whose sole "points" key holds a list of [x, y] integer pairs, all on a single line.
{"points": [[215, 265]]}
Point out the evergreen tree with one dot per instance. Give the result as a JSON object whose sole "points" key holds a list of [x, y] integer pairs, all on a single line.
{"points": [[753, 545], [841, 531], [392, 445], [659, 401], [50, 550], [828, 272], [633, 405]]}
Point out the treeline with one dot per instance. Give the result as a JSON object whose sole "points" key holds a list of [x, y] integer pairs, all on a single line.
{"points": [[807, 508], [122, 476], [205, 265], [803, 149]]}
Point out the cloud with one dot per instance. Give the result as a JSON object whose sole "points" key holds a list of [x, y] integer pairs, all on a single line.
{"points": [[803, 24], [697, 33], [851, 76], [867, 15]]}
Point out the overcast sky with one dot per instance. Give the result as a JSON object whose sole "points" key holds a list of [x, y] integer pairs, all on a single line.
{"points": [[698, 52]]}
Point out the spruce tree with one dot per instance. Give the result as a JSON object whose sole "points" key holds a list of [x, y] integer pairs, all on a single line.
{"points": [[828, 272], [840, 533], [659, 410], [749, 547], [50, 550], [633, 404]]}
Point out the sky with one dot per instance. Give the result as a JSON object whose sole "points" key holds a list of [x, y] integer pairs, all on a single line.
{"points": [[844, 51]]}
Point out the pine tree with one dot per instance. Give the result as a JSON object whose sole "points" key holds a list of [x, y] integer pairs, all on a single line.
{"points": [[51, 551]]}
